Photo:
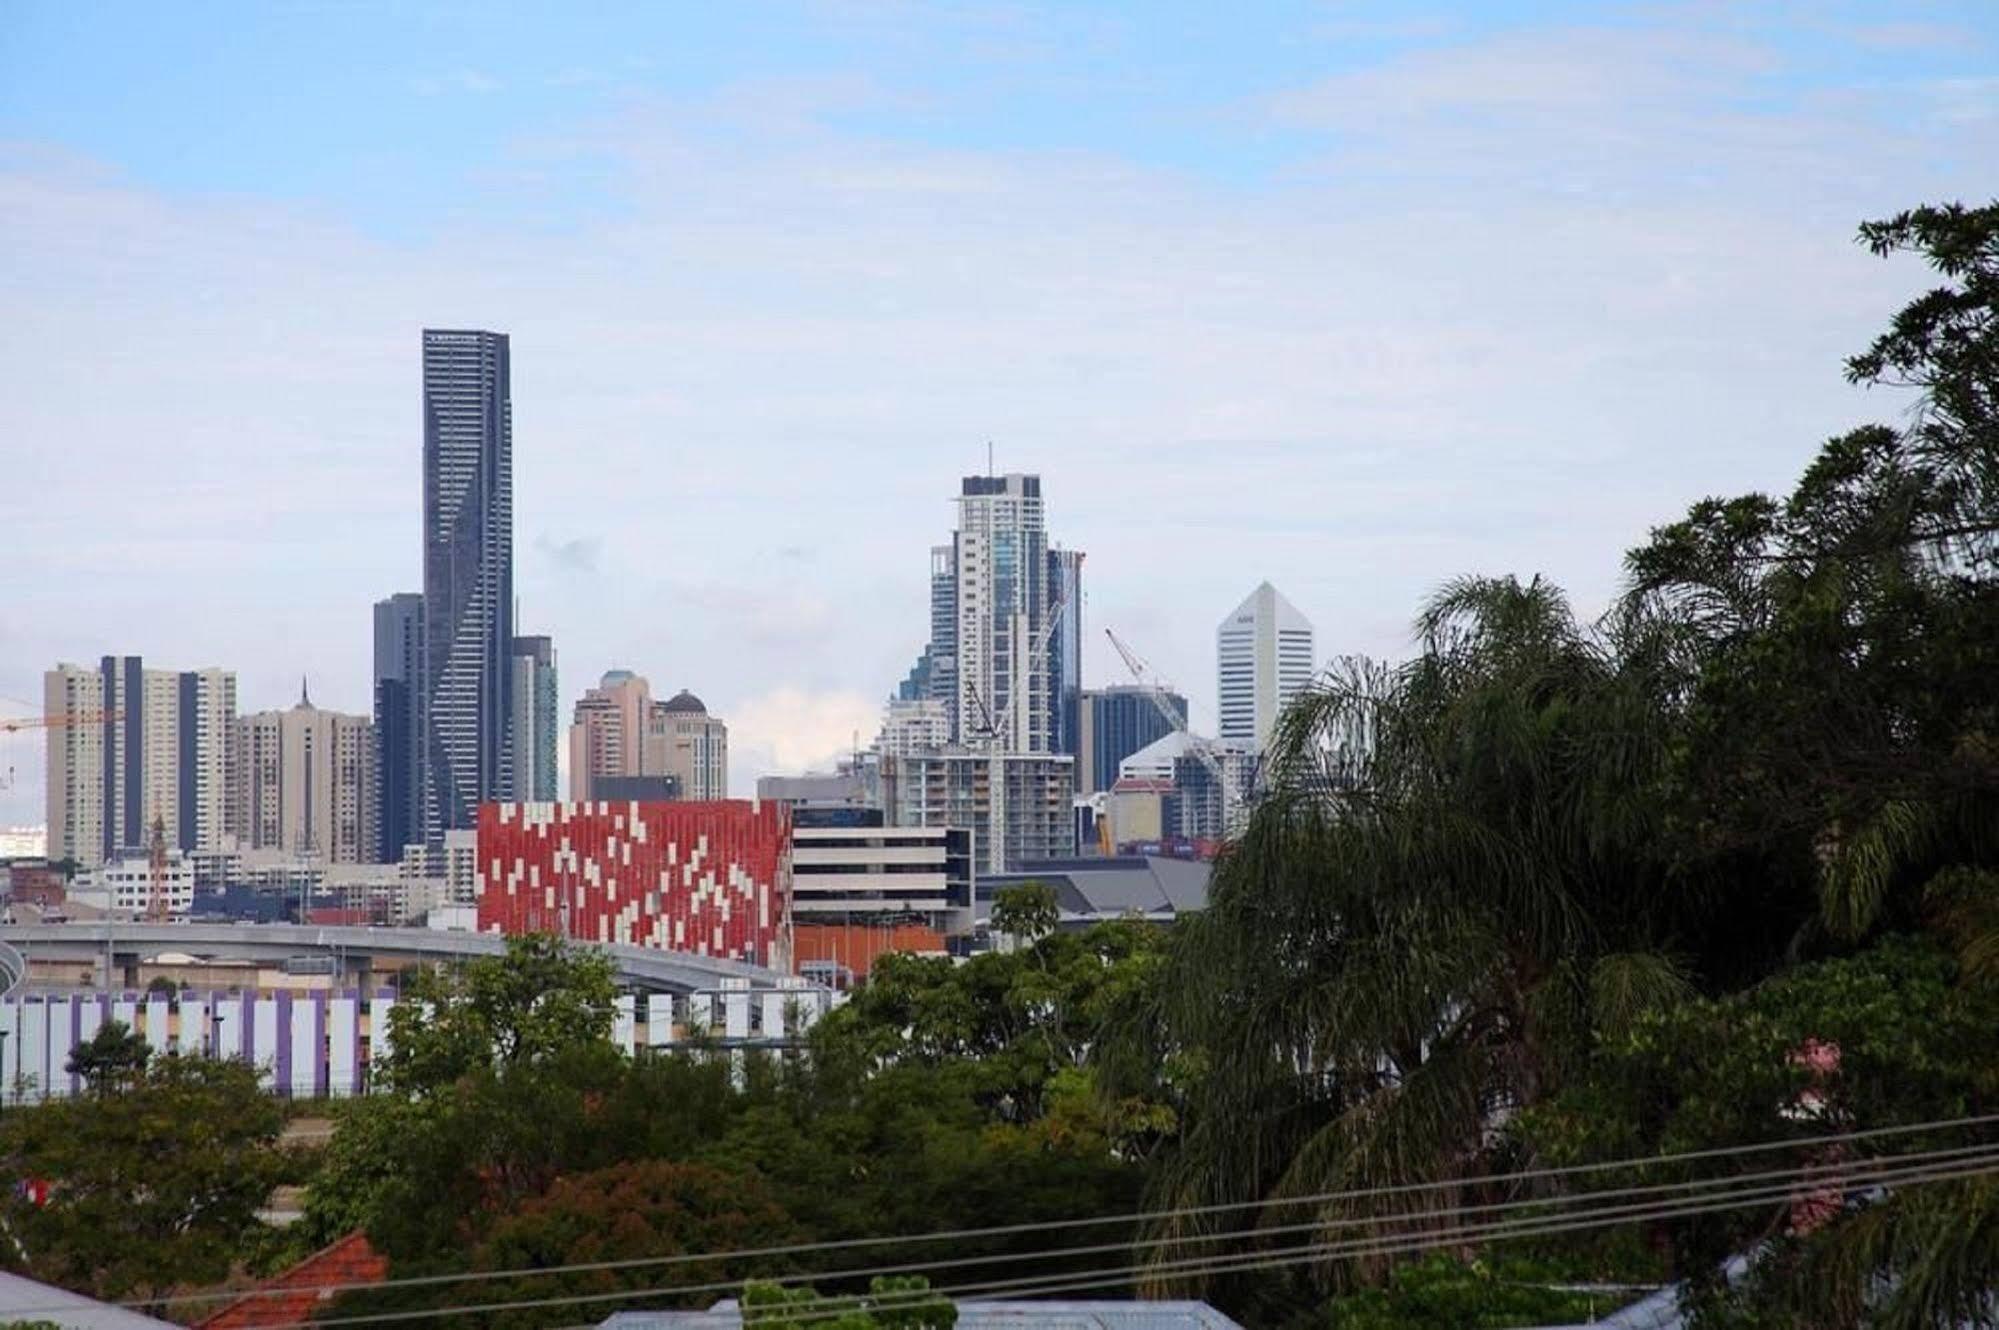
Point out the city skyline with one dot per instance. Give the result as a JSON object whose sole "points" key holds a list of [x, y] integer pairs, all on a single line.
{"points": [[786, 292]]}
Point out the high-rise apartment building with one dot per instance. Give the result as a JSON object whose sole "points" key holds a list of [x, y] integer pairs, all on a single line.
{"points": [[158, 750], [939, 664], [1018, 806], [1116, 722], [912, 724], [75, 767], [535, 703], [305, 783], [1001, 562], [1065, 650], [468, 575], [607, 733], [683, 741], [1263, 659], [399, 694]]}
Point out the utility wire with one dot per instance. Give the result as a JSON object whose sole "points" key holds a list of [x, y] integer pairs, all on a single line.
{"points": [[1134, 1217], [1884, 1172], [1043, 1285]]}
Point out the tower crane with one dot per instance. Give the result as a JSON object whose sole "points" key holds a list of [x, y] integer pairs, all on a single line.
{"points": [[1206, 750], [156, 860], [63, 720], [996, 733]]}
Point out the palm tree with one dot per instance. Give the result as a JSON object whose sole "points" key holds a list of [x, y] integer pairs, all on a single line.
{"points": [[1455, 870]]}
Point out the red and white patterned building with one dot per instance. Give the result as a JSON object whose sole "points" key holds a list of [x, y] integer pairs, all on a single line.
{"points": [[711, 879]]}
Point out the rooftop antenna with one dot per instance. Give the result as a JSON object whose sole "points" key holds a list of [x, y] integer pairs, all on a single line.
{"points": [[989, 459]]}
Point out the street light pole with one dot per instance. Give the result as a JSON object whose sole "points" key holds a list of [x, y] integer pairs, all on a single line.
{"points": [[3, 1067]]}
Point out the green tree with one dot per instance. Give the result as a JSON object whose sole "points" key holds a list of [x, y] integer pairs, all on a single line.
{"points": [[905, 1303], [543, 997], [150, 1188], [111, 1060], [1027, 910], [643, 1213]]}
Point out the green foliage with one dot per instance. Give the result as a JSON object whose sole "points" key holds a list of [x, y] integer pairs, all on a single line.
{"points": [[1446, 1293], [1027, 910], [641, 1213], [1493, 874], [539, 1000], [111, 1060], [905, 1303], [154, 1186]]}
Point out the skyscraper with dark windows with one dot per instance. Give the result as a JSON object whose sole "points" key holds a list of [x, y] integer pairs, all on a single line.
{"points": [[399, 692], [468, 577], [1116, 722], [1065, 650]]}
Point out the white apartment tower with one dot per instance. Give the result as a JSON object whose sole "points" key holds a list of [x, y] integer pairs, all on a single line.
{"points": [[138, 745], [1263, 660], [1001, 583]]}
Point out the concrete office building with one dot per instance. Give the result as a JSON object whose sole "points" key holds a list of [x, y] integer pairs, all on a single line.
{"points": [[305, 783], [607, 732], [1263, 659], [398, 699], [955, 788], [157, 748], [468, 576], [1116, 722], [683, 741], [536, 706]]}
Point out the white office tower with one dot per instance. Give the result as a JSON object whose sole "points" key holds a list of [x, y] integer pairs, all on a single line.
{"points": [[1263, 660]]}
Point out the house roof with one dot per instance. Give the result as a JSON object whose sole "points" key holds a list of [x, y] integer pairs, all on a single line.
{"points": [[1052, 1314], [292, 1297], [24, 1299]]}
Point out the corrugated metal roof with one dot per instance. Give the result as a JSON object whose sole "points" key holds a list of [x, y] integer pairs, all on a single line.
{"points": [[26, 1300], [1053, 1314]]}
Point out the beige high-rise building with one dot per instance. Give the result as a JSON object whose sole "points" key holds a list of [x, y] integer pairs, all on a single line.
{"points": [[607, 735], [75, 766], [305, 783], [683, 741], [155, 747]]}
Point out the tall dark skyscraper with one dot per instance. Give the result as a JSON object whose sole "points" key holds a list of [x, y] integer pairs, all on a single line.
{"points": [[1065, 650], [468, 575], [399, 692]]}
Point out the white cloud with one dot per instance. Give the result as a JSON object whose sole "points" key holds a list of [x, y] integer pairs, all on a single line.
{"points": [[794, 730]]}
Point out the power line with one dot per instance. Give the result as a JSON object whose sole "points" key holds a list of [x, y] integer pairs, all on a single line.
{"points": [[1285, 1257], [1880, 1172], [1005, 1230]]}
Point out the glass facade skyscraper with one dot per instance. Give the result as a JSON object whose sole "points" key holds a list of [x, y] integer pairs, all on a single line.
{"points": [[468, 576], [399, 692]]}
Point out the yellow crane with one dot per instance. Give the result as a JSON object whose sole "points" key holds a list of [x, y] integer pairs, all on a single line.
{"points": [[67, 720]]}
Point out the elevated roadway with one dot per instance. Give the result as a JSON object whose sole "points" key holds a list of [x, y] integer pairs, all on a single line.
{"points": [[358, 953]]}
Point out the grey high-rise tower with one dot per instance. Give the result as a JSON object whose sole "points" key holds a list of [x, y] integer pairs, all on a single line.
{"points": [[399, 695], [468, 576]]}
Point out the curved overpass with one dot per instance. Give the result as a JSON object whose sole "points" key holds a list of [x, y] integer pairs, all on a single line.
{"points": [[642, 968]]}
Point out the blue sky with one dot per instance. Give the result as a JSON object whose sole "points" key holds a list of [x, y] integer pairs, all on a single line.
{"points": [[1353, 297]]}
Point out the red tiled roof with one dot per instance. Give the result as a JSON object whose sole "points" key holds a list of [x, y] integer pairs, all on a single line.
{"points": [[291, 1297]]}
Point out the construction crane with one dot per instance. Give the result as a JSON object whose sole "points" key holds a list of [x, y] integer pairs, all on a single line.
{"points": [[156, 858], [1206, 750], [994, 734], [65, 720]]}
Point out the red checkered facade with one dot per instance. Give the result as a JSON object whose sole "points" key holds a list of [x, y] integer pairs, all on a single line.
{"points": [[712, 879]]}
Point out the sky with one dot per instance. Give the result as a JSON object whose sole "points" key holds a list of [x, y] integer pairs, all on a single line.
{"points": [[1353, 297]]}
